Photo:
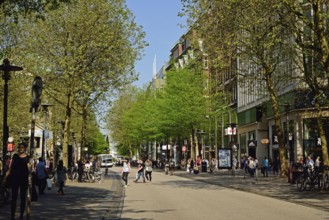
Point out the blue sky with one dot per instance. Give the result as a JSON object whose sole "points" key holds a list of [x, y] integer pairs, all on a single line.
{"points": [[162, 26]]}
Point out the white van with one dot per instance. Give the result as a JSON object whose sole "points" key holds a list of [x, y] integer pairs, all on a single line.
{"points": [[106, 160]]}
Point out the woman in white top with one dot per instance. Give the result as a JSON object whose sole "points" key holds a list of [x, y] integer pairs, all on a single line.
{"points": [[125, 171]]}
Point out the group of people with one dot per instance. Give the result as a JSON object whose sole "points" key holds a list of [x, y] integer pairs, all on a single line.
{"points": [[17, 174], [144, 171]]}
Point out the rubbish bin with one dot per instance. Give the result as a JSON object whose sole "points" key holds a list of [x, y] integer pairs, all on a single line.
{"points": [[204, 166]]}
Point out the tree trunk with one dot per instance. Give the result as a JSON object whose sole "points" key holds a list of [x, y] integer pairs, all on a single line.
{"points": [[279, 130], [192, 145], [67, 125]]}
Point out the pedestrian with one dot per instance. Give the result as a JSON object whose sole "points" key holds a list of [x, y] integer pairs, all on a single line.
{"points": [[61, 173], [125, 171], [276, 164], [80, 170], [265, 167], [188, 165], [18, 171], [42, 176], [245, 165], [140, 171], [252, 167], [191, 166], [198, 163], [148, 170], [317, 165], [310, 162], [51, 166], [257, 165]]}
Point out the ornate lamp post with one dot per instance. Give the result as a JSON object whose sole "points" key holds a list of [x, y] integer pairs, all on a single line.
{"points": [[6, 68]]}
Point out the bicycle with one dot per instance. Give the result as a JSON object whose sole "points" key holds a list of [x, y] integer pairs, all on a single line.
{"points": [[301, 180], [310, 179]]}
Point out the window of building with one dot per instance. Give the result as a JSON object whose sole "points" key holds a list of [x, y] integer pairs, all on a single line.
{"points": [[243, 144], [311, 137]]}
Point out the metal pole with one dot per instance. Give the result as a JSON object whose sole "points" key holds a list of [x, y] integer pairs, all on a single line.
{"points": [[6, 78], [287, 133], [29, 192], [6, 68], [216, 137]]}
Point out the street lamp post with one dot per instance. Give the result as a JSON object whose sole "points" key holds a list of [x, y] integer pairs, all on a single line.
{"points": [[45, 116], [6, 68], [286, 108]]}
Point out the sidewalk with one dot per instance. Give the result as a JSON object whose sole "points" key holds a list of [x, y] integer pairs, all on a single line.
{"points": [[272, 186], [81, 201]]}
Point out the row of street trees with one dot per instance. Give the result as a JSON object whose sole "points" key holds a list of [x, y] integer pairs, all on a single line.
{"points": [[169, 115], [277, 44], [83, 50]]}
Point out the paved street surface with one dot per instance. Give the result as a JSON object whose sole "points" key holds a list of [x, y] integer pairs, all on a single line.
{"points": [[173, 197], [181, 196], [81, 201]]}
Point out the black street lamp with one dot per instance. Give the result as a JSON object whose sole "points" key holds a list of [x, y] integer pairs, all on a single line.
{"points": [[6, 68]]}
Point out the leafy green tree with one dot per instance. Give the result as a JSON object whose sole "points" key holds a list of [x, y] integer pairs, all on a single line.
{"points": [[307, 22], [83, 49], [182, 106], [250, 32], [116, 124]]}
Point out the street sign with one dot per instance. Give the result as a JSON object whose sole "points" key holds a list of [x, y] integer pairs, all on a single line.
{"points": [[184, 148]]}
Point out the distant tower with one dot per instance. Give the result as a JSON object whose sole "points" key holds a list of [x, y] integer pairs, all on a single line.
{"points": [[155, 66]]}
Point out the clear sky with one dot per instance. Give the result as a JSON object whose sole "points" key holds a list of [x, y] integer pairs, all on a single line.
{"points": [[161, 24]]}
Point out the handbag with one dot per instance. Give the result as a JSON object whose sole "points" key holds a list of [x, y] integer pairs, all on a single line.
{"points": [[49, 184]]}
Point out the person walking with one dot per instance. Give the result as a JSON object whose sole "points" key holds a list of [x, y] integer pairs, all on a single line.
{"points": [[80, 170], [140, 171], [18, 171], [188, 165], [276, 164], [252, 167], [148, 170], [317, 165], [191, 166], [42, 176], [61, 173], [125, 171], [265, 167]]}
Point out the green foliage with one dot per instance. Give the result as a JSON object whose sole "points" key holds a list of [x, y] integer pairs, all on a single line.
{"points": [[140, 116], [96, 141], [182, 106]]}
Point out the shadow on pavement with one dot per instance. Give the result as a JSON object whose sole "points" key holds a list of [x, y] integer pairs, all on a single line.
{"points": [[79, 202]]}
